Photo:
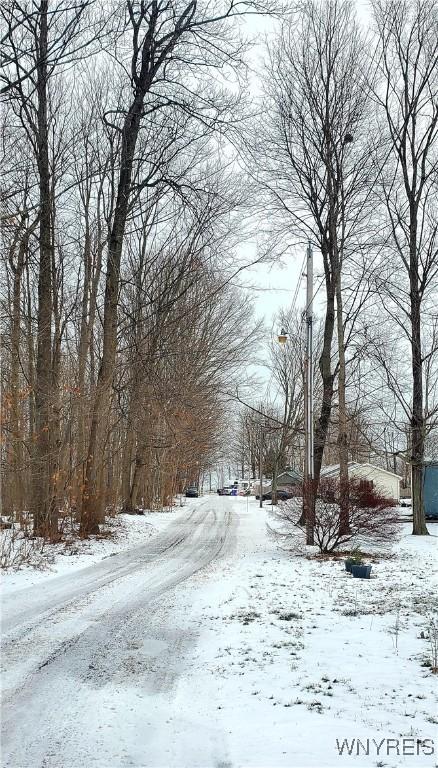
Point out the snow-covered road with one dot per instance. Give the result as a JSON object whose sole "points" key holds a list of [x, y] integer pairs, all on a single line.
{"points": [[71, 635], [180, 550]]}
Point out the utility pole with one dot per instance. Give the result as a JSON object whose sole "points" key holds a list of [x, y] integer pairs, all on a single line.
{"points": [[308, 469], [261, 466]]}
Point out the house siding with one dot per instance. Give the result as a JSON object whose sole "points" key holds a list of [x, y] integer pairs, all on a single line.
{"points": [[431, 490], [386, 483]]}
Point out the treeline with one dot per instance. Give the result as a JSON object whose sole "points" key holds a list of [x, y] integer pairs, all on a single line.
{"points": [[122, 328]]}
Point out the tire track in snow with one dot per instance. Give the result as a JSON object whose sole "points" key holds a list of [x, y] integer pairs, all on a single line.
{"points": [[52, 698], [23, 609]]}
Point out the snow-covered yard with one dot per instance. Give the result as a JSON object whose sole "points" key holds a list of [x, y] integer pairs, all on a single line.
{"points": [[260, 659], [293, 656]]}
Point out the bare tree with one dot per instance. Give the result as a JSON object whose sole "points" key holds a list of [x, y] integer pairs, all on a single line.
{"points": [[406, 95], [314, 158]]}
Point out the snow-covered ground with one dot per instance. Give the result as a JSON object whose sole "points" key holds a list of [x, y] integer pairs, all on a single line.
{"points": [[258, 659], [295, 655]]}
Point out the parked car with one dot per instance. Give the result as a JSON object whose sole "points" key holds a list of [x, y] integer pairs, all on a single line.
{"points": [[281, 495], [226, 491], [192, 492]]}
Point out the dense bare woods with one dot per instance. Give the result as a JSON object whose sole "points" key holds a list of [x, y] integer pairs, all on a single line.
{"points": [[119, 224]]}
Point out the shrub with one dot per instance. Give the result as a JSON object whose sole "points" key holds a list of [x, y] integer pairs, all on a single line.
{"points": [[371, 517], [17, 549]]}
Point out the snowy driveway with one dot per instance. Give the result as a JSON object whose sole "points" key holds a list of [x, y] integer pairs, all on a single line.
{"points": [[64, 639]]}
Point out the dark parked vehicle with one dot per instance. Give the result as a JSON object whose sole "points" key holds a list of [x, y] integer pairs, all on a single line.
{"points": [[281, 495], [192, 492]]}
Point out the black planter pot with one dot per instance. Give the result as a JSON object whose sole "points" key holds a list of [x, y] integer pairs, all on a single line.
{"points": [[348, 563], [361, 571]]}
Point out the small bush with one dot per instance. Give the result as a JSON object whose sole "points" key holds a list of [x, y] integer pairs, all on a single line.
{"points": [[432, 638], [372, 518], [17, 550]]}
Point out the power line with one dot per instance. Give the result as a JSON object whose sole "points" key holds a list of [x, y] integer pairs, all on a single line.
{"points": [[294, 300]]}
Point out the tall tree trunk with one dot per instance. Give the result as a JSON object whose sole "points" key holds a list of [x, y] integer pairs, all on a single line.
{"points": [[128, 446], [30, 360], [325, 367], [344, 522], [132, 433], [84, 336], [92, 497], [55, 432], [418, 427], [140, 463], [16, 494], [322, 425], [45, 519]]}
